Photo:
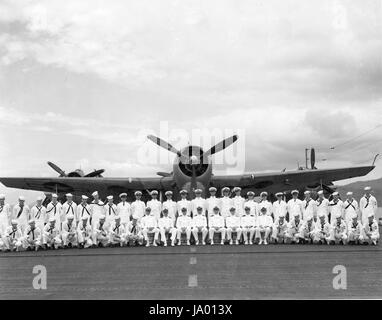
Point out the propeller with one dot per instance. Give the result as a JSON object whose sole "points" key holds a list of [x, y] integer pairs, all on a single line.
{"points": [[95, 173], [57, 169], [313, 159], [165, 145], [219, 147]]}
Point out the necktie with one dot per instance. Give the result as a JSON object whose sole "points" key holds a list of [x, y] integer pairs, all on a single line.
{"points": [[20, 211], [38, 212], [1, 208]]}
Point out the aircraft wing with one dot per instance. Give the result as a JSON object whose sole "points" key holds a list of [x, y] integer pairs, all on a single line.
{"points": [[280, 181]]}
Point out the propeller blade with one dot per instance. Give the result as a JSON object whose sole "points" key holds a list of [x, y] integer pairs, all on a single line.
{"points": [[312, 158], [220, 146], [57, 169], [95, 173], [160, 142]]}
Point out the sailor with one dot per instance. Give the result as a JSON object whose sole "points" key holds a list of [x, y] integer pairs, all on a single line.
{"points": [[279, 207], [371, 229], [264, 203], [263, 226], [336, 207], [238, 201], [350, 207], [322, 232], [13, 237], [212, 201], [110, 210], [5, 214], [166, 226], [54, 209], [51, 237], [295, 206], [170, 205], [308, 206], [155, 204], [322, 205], [339, 230], [138, 206], [199, 224], [355, 230], [232, 223], [69, 207], [134, 233], [217, 225], [69, 232], [124, 210], [38, 213], [226, 202], [199, 201], [117, 233], [183, 203], [96, 209], [85, 233], [367, 205], [248, 225], [100, 233], [21, 213], [308, 230], [280, 229], [183, 226], [32, 236], [149, 224], [83, 209], [252, 204], [294, 226]]}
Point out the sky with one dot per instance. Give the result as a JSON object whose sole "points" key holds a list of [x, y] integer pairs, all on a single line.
{"points": [[83, 82]]}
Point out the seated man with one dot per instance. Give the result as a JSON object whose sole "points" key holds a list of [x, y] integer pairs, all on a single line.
{"points": [[166, 226], [355, 230], [264, 226], [293, 234], [51, 234], [248, 225], [13, 237], [84, 232], [183, 225], [322, 230], [149, 224], [117, 233], [32, 236], [371, 230], [232, 223], [69, 232], [339, 230], [216, 224], [199, 224], [101, 233], [134, 232], [280, 229], [307, 230]]}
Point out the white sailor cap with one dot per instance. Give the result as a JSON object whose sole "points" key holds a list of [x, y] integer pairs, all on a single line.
{"points": [[354, 216], [109, 197], [320, 192], [367, 188], [123, 194], [154, 192], [309, 218], [232, 209], [39, 198], [295, 191], [54, 195], [279, 194], [371, 214], [167, 193], [135, 217], [338, 215], [95, 193], [250, 193], [349, 193], [84, 217], [183, 191], [69, 195], [307, 192], [198, 191], [84, 197], [264, 193], [14, 221], [138, 193], [117, 218], [31, 221], [148, 209], [52, 219], [236, 189], [321, 215], [102, 217], [70, 217], [225, 189], [22, 198], [2, 196], [282, 215], [212, 189], [335, 193]]}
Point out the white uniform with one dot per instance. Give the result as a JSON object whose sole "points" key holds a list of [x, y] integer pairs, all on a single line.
{"points": [[351, 208], [32, 237], [255, 210], [85, 234], [138, 208], [309, 208], [96, 210], [21, 215], [233, 223], [69, 233], [367, 205], [322, 231], [166, 224], [264, 225], [371, 231], [69, 208], [280, 229], [170, 205], [54, 210], [322, 207], [238, 204], [226, 204], [117, 234], [339, 231], [101, 234], [183, 225], [355, 231], [51, 236], [124, 211], [335, 207], [39, 215], [83, 211], [308, 230], [12, 238], [149, 224], [217, 224], [279, 207], [184, 203], [110, 211], [198, 202], [134, 233], [294, 227], [199, 224], [248, 227], [295, 208], [268, 205], [5, 216], [156, 207], [211, 203]]}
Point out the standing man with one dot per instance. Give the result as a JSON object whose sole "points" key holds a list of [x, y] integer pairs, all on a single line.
{"points": [[54, 210], [183, 203], [322, 205], [226, 203], [110, 210], [295, 206], [199, 224], [217, 224], [212, 201], [183, 225], [38, 213], [264, 226], [166, 226], [309, 207], [138, 206], [238, 202], [21, 213], [199, 201], [336, 207], [149, 224], [170, 205], [350, 207], [252, 204], [232, 223], [264, 203], [368, 205], [279, 207], [248, 225], [5, 214], [155, 204], [124, 210], [83, 210], [69, 207], [96, 209]]}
